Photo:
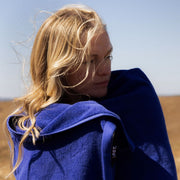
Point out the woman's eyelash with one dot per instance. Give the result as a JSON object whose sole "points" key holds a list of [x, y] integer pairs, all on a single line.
{"points": [[91, 61], [110, 57]]}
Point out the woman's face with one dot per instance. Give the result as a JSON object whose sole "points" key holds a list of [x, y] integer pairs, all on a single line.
{"points": [[95, 85]]}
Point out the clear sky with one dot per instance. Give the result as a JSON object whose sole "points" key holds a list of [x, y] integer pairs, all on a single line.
{"points": [[144, 34]]}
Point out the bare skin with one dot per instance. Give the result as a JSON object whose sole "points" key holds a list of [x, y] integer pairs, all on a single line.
{"points": [[95, 85]]}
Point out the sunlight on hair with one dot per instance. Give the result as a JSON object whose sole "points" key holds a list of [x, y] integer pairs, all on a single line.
{"points": [[62, 43]]}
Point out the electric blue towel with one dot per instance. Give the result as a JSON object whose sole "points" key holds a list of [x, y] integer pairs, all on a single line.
{"points": [[75, 143], [133, 98], [87, 141]]}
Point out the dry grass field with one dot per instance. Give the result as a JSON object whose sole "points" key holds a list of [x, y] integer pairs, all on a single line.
{"points": [[171, 108]]}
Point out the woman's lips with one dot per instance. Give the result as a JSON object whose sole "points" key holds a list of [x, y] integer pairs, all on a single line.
{"points": [[102, 83]]}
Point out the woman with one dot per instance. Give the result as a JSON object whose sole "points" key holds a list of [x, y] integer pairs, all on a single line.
{"points": [[79, 120]]}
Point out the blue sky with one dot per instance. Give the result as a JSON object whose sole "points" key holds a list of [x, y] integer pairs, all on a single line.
{"points": [[144, 34]]}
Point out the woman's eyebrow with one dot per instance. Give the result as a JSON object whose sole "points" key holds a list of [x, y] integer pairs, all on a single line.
{"points": [[108, 52]]}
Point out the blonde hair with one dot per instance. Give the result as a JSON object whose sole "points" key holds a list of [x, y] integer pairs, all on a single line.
{"points": [[62, 43]]}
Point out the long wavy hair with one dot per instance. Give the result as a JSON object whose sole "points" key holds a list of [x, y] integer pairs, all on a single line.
{"points": [[61, 44]]}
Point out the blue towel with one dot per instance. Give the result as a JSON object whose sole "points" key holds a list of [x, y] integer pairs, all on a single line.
{"points": [[76, 141], [132, 96]]}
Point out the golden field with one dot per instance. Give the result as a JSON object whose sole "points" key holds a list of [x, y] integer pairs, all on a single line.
{"points": [[171, 109]]}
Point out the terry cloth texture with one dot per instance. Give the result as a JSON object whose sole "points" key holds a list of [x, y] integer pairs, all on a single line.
{"points": [[76, 141], [132, 96]]}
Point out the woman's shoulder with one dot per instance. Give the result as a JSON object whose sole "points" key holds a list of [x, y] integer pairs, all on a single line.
{"points": [[128, 81], [59, 117], [135, 74]]}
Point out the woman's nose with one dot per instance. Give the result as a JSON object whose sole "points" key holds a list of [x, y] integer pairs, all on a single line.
{"points": [[104, 68]]}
